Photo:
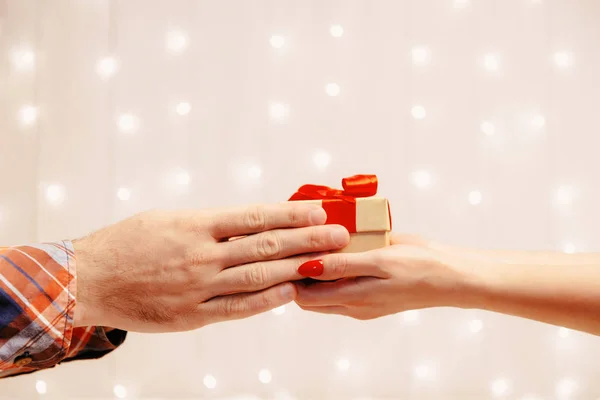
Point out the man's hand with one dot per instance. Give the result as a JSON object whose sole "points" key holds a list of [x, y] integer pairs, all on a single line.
{"points": [[176, 271]]}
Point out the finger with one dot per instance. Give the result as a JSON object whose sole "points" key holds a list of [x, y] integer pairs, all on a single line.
{"points": [[346, 265], [260, 275], [282, 243], [349, 291], [244, 305], [259, 218]]}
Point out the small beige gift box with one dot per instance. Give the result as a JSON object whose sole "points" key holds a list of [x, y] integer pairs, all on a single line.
{"points": [[366, 217]]}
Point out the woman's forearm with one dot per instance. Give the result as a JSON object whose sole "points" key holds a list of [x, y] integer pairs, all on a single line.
{"points": [[547, 258], [556, 288]]}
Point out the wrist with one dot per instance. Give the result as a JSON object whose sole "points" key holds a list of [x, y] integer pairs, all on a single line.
{"points": [[84, 314], [473, 282]]}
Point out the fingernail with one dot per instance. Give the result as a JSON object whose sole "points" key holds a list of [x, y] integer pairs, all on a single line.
{"points": [[318, 216], [288, 292], [311, 268], [340, 236]]}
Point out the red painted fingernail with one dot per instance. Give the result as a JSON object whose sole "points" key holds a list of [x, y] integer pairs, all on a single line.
{"points": [[311, 268]]}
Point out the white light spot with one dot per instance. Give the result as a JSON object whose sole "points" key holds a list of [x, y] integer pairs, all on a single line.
{"points": [[336, 31], [23, 59], [321, 159], [538, 121], [277, 41], [491, 62], [124, 194], [182, 177], [254, 172], [332, 89], [410, 316], [41, 387], [461, 3], [210, 381], [28, 115], [120, 391], [475, 325], [566, 388], [500, 387], [418, 112], [279, 310], [421, 55], [264, 375], [343, 364], [475, 197], [563, 332], [563, 59], [488, 128], [177, 41], [107, 67], [569, 248], [421, 371], [564, 195], [55, 194], [278, 111], [128, 123], [183, 108], [421, 179]]}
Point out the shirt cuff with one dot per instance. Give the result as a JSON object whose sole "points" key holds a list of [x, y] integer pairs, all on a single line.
{"points": [[38, 298]]}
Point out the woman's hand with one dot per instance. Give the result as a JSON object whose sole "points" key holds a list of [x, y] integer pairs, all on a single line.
{"points": [[176, 271], [410, 274], [551, 287]]}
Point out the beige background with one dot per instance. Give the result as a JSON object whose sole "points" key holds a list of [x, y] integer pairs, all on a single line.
{"points": [[509, 94]]}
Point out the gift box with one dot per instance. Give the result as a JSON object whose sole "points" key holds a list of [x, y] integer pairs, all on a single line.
{"points": [[356, 207]]}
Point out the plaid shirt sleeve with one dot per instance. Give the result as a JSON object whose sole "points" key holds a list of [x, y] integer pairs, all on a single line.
{"points": [[37, 302]]}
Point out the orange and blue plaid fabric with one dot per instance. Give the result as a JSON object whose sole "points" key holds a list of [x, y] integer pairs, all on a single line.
{"points": [[37, 305]]}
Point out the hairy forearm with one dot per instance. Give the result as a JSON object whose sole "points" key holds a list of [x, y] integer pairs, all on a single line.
{"points": [[556, 288]]}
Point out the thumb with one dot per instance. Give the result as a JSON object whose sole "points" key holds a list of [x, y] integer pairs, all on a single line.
{"points": [[244, 305]]}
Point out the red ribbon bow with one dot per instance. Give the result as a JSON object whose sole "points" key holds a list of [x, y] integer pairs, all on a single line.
{"points": [[340, 205]]}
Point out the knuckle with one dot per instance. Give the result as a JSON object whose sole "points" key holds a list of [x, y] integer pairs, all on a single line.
{"points": [[256, 275], [255, 218], [265, 302], [201, 257], [294, 216], [317, 238], [192, 226], [268, 245], [235, 305], [197, 258], [338, 265]]}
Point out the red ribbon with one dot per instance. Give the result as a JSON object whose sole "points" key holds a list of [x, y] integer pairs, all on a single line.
{"points": [[340, 205]]}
